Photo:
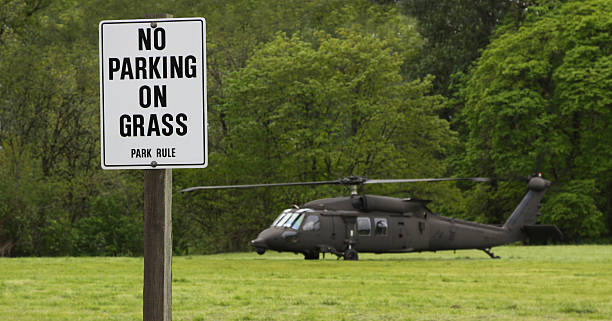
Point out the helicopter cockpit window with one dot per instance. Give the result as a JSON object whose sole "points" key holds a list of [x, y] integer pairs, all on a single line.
{"points": [[291, 219], [311, 223], [283, 220], [380, 225], [363, 226], [280, 217], [294, 220]]}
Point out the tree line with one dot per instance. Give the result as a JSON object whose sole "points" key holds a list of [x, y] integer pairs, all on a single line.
{"points": [[315, 90]]}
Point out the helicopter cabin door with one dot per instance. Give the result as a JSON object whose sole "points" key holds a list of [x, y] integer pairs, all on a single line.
{"points": [[373, 234], [331, 233], [350, 228]]}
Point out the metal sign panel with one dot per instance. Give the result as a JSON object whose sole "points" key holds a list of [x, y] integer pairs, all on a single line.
{"points": [[153, 93]]}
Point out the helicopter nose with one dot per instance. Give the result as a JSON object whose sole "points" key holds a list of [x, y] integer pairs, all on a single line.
{"points": [[259, 243]]}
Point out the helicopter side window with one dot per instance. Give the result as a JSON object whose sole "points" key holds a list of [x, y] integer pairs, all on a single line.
{"points": [[311, 223], [297, 222], [380, 226], [363, 226]]}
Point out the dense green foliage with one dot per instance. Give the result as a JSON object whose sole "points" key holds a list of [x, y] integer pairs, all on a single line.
{"points": [[528, 283], [540, 97], [54, 198], [311, 90]]}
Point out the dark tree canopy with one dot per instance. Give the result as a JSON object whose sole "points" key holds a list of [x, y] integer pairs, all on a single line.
{"points": [[456, 31]]}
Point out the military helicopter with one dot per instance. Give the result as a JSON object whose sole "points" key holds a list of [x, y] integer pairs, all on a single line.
{"points": [[347, 226]]}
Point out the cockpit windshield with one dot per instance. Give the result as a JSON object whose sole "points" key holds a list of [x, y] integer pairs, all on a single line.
{"points": [[280, 217], [291, 218], [283, 220]]}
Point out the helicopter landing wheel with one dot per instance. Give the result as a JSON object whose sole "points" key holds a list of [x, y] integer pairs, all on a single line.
{"points": [[351, 255], [311, 255]]}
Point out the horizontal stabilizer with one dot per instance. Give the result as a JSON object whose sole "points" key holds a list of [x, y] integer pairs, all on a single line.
{"points": [[541, 234]]}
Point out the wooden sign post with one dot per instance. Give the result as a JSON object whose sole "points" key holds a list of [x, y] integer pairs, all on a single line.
{"points": [[157, 290]]}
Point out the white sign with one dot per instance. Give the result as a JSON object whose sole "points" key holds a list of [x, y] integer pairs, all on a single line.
{"points": [[153, 93]]}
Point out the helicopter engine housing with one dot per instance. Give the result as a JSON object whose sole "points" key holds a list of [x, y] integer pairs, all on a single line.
{"points": [[370, 203]]}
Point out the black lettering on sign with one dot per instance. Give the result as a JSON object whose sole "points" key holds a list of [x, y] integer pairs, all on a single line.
{"points": [[124, 126], [126, 69], [153, 72], [113, 64], [141, 67], [138, 125], [180, 119], [167, 122], [148, 125], [190, 66], [144, 39], [144, 96], [160, 38], [162, 67], [176, 67], [157, 96], [153, 125], [166, 152], [140, 153], [131, 125]]}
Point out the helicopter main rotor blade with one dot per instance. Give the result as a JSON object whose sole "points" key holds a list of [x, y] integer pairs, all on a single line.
{"points": [[416, 180], [195, 188], [350, 180]]}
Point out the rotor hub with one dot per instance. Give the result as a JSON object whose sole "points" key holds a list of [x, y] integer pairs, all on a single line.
{"points": [[352, 180]]}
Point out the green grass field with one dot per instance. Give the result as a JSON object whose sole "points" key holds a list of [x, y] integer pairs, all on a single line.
{"points": [[528, 283]]}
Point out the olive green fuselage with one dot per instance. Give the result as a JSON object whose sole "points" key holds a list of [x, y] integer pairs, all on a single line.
{"points": [[340, 230], [380, 224]]}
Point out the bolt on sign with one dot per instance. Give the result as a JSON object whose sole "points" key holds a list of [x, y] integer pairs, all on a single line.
{"points": [[153, 93]]}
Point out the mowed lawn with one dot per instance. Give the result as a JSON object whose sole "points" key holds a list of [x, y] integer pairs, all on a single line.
{"points": [[528, 283]]}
